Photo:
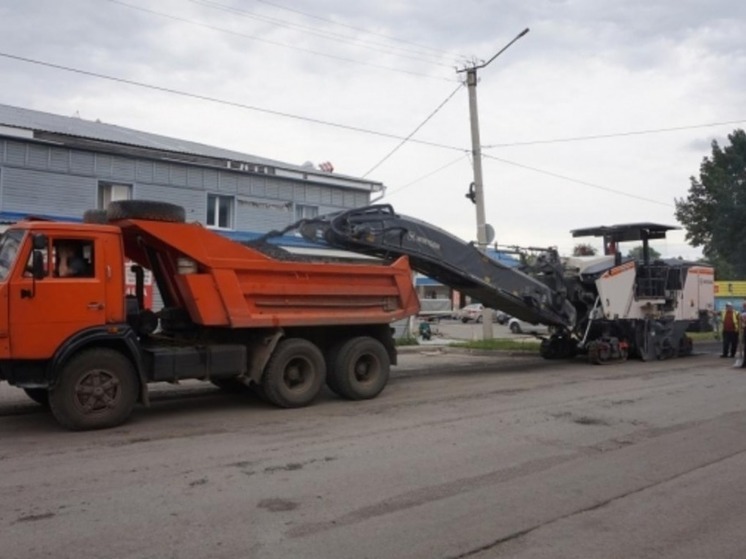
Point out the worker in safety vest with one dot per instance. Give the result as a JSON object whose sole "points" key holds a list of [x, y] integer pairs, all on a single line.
{"points": [[730, 322]]}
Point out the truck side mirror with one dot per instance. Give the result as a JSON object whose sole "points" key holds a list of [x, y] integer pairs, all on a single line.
{"points": [[37, 265], [40, 241]]}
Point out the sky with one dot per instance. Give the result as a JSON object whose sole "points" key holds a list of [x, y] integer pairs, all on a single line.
{"points": [[599, 115]]}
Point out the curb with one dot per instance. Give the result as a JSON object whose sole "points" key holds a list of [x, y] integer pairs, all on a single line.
{"points": [[409, 349]]}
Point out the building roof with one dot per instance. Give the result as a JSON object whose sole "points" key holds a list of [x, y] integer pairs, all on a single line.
{"points": [[32, 125]]}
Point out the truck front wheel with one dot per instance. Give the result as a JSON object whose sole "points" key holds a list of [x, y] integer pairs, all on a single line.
{"points": [[359, 368], [96, 389], [294, 373]]}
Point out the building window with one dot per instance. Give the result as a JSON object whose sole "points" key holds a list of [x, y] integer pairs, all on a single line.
{"points": [[111, 192], [219, 211], [305, 212]]}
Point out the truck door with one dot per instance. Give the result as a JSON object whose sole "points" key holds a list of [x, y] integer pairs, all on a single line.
{"points": [[71, 297]]}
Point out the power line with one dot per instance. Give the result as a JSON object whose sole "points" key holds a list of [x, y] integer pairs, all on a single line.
{"points": [[417, 129], [225, 102], [321, 122], [616, 134], [426, 176], [577, 181], [357, 29], [275, 43], [378, 47]]}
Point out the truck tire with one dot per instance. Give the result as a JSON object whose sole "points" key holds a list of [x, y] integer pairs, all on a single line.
{"points": [[294, 373], [360, 369], [95, 216], [38, 395], [96, 389], [331, 358], [145, 209]]}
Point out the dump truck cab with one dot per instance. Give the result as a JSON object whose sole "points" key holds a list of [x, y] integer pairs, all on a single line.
{"points": [[58, 281]]}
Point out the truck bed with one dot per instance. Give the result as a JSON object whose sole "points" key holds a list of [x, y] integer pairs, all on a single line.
{"points": [[238, 286]]}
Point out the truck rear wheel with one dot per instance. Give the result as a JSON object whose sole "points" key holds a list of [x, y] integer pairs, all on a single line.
{"points": [[359, 368], [146, 209], [96, 389], [294, 373]]}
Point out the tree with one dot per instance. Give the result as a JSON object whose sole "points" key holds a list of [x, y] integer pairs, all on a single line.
{"points": [[636, 253], [583, 249], [714, 212]]}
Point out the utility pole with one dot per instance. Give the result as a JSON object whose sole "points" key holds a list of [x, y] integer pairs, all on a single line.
{"points": [[477, 194]]}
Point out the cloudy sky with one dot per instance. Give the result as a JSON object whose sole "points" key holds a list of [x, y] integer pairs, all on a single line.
{"points": [[599, 115]]}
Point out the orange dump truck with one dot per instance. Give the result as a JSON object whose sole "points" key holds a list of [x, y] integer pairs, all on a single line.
{"points": [[73, 339]]}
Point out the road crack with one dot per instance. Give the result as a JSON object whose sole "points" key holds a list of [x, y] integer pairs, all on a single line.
{"points": [[519, 534]]}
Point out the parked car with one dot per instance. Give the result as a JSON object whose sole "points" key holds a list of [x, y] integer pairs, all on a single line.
{"points": [[473, 313], [502, 317], [518, 326]]}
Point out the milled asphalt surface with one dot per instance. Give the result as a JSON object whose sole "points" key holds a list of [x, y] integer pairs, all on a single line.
{"points": [[463, 455]]}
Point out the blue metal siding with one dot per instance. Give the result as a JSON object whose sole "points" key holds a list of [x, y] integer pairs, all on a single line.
{"points": [[103, 164], [161, 173], [229, 182], [258, 187], [61, 181], [123, 169], [195, 177], [15, 153], [272, 189], [313, 194], [37, 157], [26, 190], [60, 160], [285, 191], [145, 171], [210, 179], [177, 175], [82, 163]]}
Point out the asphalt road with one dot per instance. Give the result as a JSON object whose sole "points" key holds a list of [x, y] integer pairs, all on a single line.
{"points": [[461, 456]]}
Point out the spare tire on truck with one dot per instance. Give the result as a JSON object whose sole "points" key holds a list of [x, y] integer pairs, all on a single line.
{"points": [[95, 216], [145, 209]]}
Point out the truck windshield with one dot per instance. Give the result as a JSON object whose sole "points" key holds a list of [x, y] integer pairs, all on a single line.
{"points": [[10, 242]]}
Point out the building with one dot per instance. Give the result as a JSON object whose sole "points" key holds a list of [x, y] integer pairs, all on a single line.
{"points": [[60, 166]]}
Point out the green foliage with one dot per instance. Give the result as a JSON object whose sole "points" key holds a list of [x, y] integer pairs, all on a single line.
{"points": [[636, 253], [583, 249], [407, 340], [530, 344], [714, 212]]}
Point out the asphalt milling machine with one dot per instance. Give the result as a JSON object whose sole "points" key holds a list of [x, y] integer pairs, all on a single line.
{"points": [[607, 307]]}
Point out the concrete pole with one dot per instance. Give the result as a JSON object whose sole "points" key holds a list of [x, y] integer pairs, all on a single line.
{"points": [[476, 152]]}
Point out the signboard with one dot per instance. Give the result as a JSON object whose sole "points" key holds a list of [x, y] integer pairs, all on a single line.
{"points": [[730, 289]]}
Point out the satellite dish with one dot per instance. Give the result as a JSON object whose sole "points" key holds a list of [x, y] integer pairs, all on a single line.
{"points": [[489, 233]]}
